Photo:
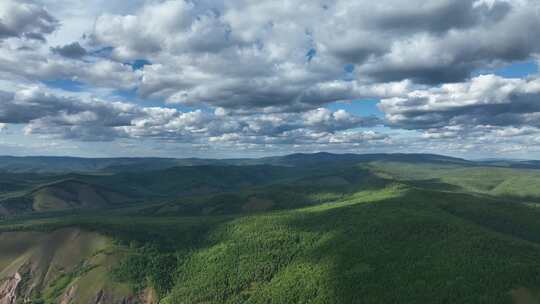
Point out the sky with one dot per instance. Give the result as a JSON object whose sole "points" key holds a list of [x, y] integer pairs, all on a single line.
{"points": [[242, 78]]}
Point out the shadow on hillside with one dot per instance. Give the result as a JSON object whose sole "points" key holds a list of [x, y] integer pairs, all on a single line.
{"points": [[304, 192], [422, 246], [409, 249], [437, 184], [433, 184]]}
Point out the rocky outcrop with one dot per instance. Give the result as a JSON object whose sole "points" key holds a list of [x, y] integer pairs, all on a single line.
{"points": [[8, 289], [99, 297], [69, 295], [68, 264], [149, 296]]}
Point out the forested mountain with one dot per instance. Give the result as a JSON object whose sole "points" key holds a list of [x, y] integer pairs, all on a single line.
{"points": [[302, 228]]}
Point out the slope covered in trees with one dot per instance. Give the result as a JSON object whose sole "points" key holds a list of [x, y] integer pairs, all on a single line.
{"points": [[372, 232]]}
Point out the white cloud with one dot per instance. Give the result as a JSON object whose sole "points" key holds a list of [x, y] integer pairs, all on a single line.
{"points": [[260, 73], [84, 118], [25, 19], [484, 100]]}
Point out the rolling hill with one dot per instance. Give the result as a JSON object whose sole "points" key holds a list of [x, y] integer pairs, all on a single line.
{"points": [[54, 164], [51, 164], [61, 195], [306, 229]]}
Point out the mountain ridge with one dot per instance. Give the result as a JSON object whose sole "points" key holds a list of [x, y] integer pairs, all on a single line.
{"points": [[62, 164]]}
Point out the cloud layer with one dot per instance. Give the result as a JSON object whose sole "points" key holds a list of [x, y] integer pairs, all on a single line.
{"points": [[67, 117], [261, 74]]}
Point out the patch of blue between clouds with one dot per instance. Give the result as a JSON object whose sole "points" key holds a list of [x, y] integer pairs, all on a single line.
{"points": [[365, 108], [360, 107], [139, 64], [348, 68], [310, 54], [514, 70], [64, 84], [518, 70]]}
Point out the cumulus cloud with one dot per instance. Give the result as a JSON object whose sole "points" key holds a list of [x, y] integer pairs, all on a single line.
{"points": [[289, 55], [73, 50], [261, 73], [89, 119], [32, 63], [324, 119], [484, 100], [47, 113], [260, 54], [435, 42], [25, 19]]}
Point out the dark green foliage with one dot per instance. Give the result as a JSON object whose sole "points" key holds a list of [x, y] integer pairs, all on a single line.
{"points": [[162, 272], [133, 269], [322, 186], [515, 219], [44, 164], [447, 231], [17, 205], [401, 249], [193, 180]]}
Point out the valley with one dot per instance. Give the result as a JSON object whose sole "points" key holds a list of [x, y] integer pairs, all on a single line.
{"points": [[282, 230]]}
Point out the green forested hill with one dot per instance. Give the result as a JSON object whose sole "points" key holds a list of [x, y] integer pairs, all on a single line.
{"points": [[372, 232]]}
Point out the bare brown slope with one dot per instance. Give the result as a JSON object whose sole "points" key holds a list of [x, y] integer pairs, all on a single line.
{"points": [[64, 266]]}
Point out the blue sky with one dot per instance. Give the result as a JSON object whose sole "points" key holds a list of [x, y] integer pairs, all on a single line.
{"points": [[361, 107]]}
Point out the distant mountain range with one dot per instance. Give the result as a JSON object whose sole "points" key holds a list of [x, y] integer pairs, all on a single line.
{"points": [[56, 164]]}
